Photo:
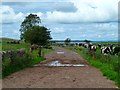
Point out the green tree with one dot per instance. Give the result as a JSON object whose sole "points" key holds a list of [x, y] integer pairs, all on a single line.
{"points": [[39, 35], [87, 41], [67, 41], [30, 21]]}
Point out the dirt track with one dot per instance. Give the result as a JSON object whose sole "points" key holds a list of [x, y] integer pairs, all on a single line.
{"points": [[41, 76]]}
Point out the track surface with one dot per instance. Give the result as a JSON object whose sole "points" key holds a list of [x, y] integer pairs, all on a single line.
{"points": [[41, 76]]}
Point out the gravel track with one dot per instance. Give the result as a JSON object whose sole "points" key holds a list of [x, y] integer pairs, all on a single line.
{"points": [[41, 76]]}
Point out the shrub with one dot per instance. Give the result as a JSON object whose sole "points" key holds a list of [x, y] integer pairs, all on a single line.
{"points": [[18, 63]]}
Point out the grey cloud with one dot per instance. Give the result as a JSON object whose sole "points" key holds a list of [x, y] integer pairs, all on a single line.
{"points": [[86, 12], [41, 6], [14, 3], [7, 23], [65, 7]]}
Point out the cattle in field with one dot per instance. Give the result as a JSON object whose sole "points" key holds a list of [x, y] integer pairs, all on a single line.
{"points": [[76, 44], [99, 45], [106, 50], [34, 47], [13, 42], [86, 45], [111, 49], [92, 47], [116, 50], [72, 44], [80, 44]]}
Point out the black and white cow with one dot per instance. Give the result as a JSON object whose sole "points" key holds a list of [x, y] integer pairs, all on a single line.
{"points": [[86, 45], [99, 45], [106, 50], [116, 50], [113, 50], [80, 44], [92, 47]]}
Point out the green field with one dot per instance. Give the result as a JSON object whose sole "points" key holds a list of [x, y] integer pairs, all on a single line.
{"points": [[14, 46], [106, 43]]}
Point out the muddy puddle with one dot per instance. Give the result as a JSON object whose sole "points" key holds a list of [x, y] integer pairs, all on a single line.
{"points": [[60, 52], [57, 63]]}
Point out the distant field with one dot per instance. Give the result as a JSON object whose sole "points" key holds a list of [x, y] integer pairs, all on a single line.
{"points": [[106, 43], [4, 40], [14, 46]]}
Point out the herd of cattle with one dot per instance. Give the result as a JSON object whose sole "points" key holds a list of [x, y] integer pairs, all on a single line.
{"points": [[13, 42], [105, 49], [112, 49]]}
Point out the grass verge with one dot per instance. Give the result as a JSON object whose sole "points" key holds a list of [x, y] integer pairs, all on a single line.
{"points": [[108, 65], [28, 60]]}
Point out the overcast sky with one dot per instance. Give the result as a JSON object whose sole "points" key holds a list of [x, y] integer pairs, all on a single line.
{"points": [[75, 19]]}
